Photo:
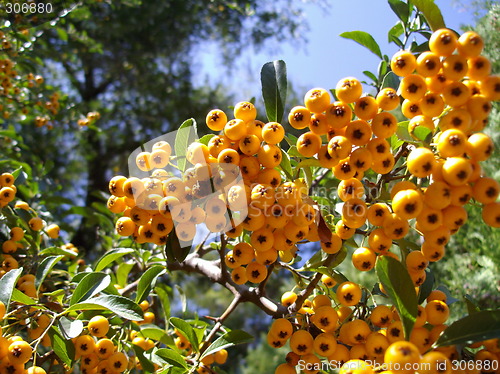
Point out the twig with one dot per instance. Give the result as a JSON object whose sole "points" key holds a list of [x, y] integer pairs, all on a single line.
{"points": [[262, 285], [293, 270], [221, 319], [311, 286]]}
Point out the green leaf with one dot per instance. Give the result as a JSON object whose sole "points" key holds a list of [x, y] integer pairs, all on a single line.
{"points": [[63, 35], [161, 291], [157, 334], [110, 256], [206, 138], [274, 87], [365, 39], [54, 251], [186, 134], [419, 48], [44, 269], [146, 364], [70, 328], [471, 305], [449, 297], [172, 357], [187, 330], [122, 272], [399, 286], [90, 285], [147, 281], [230, 339], [402, 132], [395, 142], [390, 80], [370, 75], [174, 250], [285, 164], [308, 163], [426, 288], [120, 305], [7, 285], [63, 348], [401, 9], [291, 140], [421, 132], [476, 327], [20, 297], [431, 12]]}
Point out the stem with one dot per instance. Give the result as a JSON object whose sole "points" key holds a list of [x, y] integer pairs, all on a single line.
{"points": [[262, 285], [293, 270], [221, 319], [311, 286]]}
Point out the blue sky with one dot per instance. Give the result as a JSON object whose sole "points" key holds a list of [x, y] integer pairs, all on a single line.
{"points": [[326, 57]]}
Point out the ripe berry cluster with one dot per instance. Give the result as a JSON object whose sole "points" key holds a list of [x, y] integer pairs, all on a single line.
{"points": [[422, 188]]}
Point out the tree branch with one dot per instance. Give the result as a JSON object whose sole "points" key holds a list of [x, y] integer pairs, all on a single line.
{"points": [[311, 286], [211, 270]]}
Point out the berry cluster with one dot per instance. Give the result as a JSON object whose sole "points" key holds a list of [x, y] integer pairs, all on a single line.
{"points": [[421, 189]]}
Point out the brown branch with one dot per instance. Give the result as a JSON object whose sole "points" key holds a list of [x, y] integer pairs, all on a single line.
{"points": [[221, 320], [211, 270], [311, 286]]}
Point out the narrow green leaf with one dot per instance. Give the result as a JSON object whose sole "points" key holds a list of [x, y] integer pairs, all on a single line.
{"points": [[291, 140], [399, 286], [63, 348], [450, 299], [285, 164], [395, 142], [162, 291], [471, 305], [146, 364], [44, 269], [419, 48], [187, 330], [426, 288], [431, 12], [365, 39], [186, 134], [7, 285], [274, 89], [122, 272], [382, 69], [110, 256], [227, 340], [172, 357], [401, 9], [90, 285], [120, 305], [308, 163], [370, 75], [174, 249], [476, 327], [70, 328], [157, 334], [63, 35], [147, 281], [394, 33], [56, 251], [20, 297]]}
